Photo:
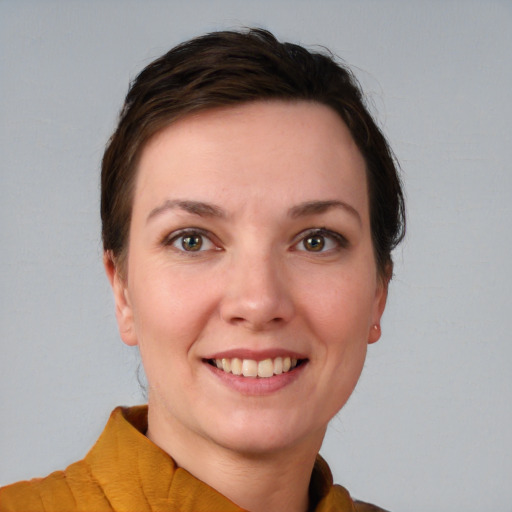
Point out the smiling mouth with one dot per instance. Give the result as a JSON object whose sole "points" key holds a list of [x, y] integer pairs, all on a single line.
{"points": [[251, 368]]}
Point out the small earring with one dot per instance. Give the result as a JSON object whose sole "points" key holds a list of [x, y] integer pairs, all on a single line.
{"points": [[376, 333]]}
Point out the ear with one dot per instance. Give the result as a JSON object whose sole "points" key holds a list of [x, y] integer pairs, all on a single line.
{"points": [[124, 311], [381, 296]]}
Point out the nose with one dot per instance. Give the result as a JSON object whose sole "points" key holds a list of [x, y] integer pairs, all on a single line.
{"points": [[257, 295]]}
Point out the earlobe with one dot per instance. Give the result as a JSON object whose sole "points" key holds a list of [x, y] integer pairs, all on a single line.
{"points": [[375, 333], [380, 304], [123, 308]]}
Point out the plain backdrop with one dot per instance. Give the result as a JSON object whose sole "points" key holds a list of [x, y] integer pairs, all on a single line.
{"points": [[429, 426]]}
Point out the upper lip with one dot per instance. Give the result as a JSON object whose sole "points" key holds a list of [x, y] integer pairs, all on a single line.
{"points": [[256, 355]]}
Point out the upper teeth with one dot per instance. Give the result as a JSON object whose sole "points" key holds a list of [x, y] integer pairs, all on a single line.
{"points": [[252, 368]]}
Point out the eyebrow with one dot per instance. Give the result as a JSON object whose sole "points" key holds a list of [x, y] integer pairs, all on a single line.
{"points": [[195, 207], [318, 207], [203, 209]]}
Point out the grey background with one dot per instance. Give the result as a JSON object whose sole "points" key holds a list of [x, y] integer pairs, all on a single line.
{"points": [[429, 426]]}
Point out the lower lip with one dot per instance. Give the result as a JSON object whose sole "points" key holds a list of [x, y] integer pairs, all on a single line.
{"points": [[257, 385]]}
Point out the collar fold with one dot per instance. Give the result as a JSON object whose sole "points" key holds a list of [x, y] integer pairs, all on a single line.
{"points": [[135, 474]]}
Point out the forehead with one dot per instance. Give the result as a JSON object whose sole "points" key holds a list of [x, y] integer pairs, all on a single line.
{"points": [[287, 151]]}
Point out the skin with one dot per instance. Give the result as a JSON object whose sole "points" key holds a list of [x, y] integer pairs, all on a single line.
{"points": [[254, 285]]}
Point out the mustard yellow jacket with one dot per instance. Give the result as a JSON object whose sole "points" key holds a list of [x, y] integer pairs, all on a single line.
{"points": [[126, 472]]}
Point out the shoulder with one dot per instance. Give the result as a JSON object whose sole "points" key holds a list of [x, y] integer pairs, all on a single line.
{"points": [[362, 506], [61, 491], [339, 498], [335, 496], [32, 495]]}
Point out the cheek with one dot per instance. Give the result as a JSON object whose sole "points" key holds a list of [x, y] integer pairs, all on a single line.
{"points": [[168, 319], [340, 303], [169, 308]]}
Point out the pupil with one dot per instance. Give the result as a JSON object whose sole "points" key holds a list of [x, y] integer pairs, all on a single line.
{"points": [[315, 243], [192, 243]]}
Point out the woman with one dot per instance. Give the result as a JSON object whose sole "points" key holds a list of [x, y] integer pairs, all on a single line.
{"points": [[249, 206]]}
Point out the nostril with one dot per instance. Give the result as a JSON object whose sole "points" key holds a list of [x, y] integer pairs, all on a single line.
{"points": [[256, 324], [252, 307]]}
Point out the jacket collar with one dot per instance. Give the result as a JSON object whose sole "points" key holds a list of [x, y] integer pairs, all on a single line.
{"points": [[131, 468]]}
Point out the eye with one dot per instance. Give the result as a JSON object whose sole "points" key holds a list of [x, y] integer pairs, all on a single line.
{"points": [[320, 240], [190, 241]]}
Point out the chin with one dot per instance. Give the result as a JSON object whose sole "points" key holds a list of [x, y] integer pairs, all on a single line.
{"points": [[266, 435]]}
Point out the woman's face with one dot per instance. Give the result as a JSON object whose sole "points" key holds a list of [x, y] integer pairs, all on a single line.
{"points": [[250, 249]]}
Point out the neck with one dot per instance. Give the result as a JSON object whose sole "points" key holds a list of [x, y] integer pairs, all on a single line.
{"points": [[257, 482]]}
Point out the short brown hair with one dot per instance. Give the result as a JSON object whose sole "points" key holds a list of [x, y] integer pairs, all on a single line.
{"points": [[229, 68]]}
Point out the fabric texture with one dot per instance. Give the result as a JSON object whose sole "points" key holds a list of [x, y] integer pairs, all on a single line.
{"points": [[126, 472]]}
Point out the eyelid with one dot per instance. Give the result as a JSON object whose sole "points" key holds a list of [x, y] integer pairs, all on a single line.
{"points": [[169, 239], [338, 238]]}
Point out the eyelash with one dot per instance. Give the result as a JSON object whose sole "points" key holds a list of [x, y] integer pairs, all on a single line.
{"points": [[174, 237], [339, 240]]}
